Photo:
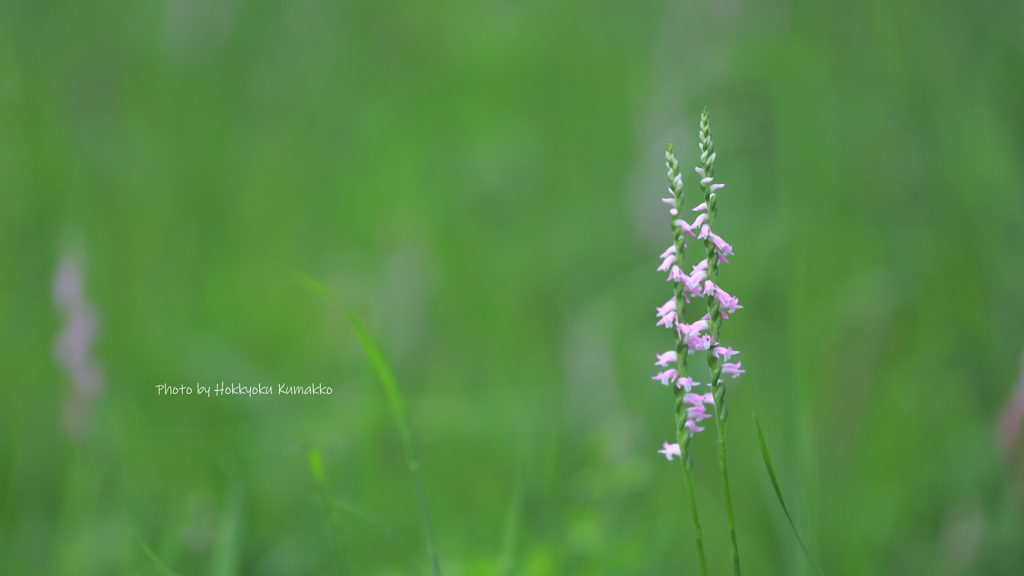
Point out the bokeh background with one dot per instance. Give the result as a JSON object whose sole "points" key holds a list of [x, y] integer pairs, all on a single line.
{"points": [[480, 182]]}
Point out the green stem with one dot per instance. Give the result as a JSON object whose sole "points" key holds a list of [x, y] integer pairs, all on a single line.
{"points": [[688, 477], [724, 464]]}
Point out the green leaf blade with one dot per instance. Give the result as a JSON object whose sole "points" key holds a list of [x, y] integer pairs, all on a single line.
{"points": [[778, 493]]}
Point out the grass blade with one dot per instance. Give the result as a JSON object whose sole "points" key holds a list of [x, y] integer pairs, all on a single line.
{"points": [[317, 469], [160, 565], [398, 409], [226, 554], [778, 494], [506, 560]]}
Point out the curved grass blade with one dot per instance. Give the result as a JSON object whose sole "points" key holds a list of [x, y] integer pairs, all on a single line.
{"points": [[778, 493], [163, 568], [398, 408]]}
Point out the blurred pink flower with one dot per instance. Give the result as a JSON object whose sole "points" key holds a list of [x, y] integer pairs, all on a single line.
{"points": [[73, 347], [1009, 426], [670, 450]]}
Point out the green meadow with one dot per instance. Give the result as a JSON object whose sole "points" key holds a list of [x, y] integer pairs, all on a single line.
{"points": [[478, 184]]}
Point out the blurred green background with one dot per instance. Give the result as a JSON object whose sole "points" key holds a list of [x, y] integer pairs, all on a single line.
{"points": [[480, 181]]}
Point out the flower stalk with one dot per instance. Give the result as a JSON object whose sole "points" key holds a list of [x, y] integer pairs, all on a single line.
{"points": [[717, 299], [679, 299], [701, 335]]}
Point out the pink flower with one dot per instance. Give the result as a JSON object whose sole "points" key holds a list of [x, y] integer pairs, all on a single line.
{"points": [[668, 261], [729, 303], [699, 399], [664, 359], [74, 347], [666, 377], [669, 201], [700, 220], [734, 369], [692, 337], [693, 284], [687, 228], [676, 275], [697, 327], [668, 320], [670, 450], [698, 343], [702, 207], [723, 247], [726, 353], [716, 187], [706, 181], [697, 412], [667, 307], [699, 170], [692, 426], [687, 383]]}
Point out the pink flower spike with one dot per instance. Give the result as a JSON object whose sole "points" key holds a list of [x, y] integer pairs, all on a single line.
{"points": [[692, 426], [666, 377], [703, 207], [671, 450], [706, 181], [715, 187], [664, 359], [700, 220], [709, 287], [734, 369], [726, 353], [668, 261], [699, 170]]}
